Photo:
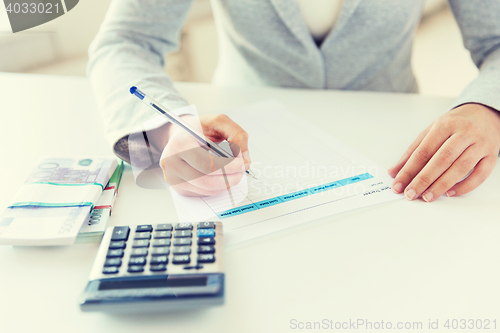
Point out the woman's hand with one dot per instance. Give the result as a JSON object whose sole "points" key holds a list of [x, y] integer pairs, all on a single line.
{"points": [[193, 171], [465, 139]]}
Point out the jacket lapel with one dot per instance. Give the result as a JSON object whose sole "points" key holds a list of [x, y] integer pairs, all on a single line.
{"points": [[289, 12], [348, 8]]}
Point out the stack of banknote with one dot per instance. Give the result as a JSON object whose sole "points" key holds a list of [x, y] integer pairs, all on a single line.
{"points": [[93, 229], [56, 200]]}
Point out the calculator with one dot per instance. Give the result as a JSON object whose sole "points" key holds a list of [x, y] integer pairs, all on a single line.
{"points": [[158, 267]]}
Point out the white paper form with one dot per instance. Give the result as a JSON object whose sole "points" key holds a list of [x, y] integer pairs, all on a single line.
{"points": [[303, 173]]}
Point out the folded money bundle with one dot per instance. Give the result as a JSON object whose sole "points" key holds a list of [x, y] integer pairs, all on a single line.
{"points": [[93, 230], [55, 201]]}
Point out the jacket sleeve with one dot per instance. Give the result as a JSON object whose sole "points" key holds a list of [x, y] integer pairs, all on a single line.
{"points": [[129, 50], [480, 27]]}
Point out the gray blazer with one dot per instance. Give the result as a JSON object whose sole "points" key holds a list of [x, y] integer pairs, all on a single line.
{"points": [[267, 42]]}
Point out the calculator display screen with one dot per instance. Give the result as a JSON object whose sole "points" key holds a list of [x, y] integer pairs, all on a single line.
{"points": [[154, 283]]}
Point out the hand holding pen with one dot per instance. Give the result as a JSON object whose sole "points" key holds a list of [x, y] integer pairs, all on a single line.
{"points": [[192, 163]]}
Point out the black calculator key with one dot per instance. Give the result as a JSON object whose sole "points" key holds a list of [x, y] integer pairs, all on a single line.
{"points": [[184, 226], [206, 233], [135, 269], [117, 245], [113, 262], [162, 234], [183, 233], [163, 227], [117, 253], [120, 233], [206, 258], [139, 252], [206, 225], [159, 260], [206, 249], [182, 250], [144, 227], [110, 270], [181, 259], [137, 261], [206, 241], [142, 235], [140, 243], [161, 242], [158, 268], [182, 241], [160, 250]]}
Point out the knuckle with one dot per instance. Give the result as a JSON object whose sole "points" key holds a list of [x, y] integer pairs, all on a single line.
{"points": [[221, 117], [405, 174], [423, 154], [446, 155], [425, 180]]}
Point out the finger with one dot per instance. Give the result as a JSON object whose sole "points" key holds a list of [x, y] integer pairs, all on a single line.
{"points": [[393, 171], [458, 170], [221, 127], [419, 158], [188, 189], [481, 172], [213, 182], [206, 163], [448, 153]]}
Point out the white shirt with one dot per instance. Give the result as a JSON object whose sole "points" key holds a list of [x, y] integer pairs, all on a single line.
{"points": [[320, 16]]}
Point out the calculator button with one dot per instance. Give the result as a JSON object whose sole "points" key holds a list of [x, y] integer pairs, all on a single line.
{"points": [[158, 268], [110, 270], [161, 242], [120, 233], [139, 252], [193, 267], [142, 235], [144, 227], [184, 226], [113, 262], [162, 234], [206, 258], [160, 250], [163, 227], [182, 241], [140, 243], [206, 241], [137, 261], [135, 269], [182, 250], [181, 259], [206, 232], [206, 249], [206, 225], [118, 253], [117, 245], [159, 260], [183, 233]]}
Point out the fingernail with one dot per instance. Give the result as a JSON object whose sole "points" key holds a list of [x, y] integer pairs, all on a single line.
{"points": [[410, 194], [397, 188], [450, 193], [428, 196]]}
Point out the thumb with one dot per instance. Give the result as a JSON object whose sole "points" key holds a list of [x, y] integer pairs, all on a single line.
{"points": [[220, 127]]}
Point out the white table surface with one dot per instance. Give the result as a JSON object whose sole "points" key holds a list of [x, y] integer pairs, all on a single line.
{"points": [[397, 262]]}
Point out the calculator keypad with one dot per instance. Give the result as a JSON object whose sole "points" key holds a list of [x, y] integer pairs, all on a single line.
{"points": [[153, 248]]}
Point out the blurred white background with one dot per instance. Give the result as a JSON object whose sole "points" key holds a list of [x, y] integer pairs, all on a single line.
{"points": [[441, 63]]}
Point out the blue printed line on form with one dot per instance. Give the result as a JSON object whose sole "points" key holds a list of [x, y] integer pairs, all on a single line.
{"points": [[292, 196]]}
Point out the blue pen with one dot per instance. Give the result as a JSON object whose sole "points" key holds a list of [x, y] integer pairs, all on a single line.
{"points": [[205, 142]]}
